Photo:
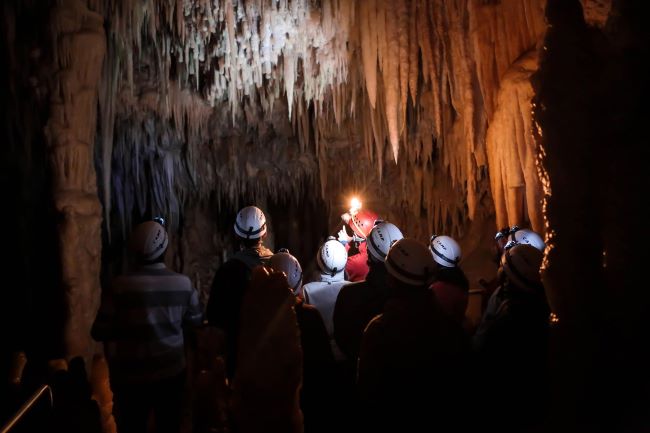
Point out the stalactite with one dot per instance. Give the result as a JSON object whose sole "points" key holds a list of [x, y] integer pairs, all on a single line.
{"points": [[367, 11], [447, 58], [391, 75]]}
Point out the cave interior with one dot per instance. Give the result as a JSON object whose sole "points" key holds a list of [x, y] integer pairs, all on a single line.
{"points": [[455, 117]]}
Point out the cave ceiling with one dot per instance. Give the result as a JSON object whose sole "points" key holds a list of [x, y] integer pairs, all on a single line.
{"points": [[265, 99]]}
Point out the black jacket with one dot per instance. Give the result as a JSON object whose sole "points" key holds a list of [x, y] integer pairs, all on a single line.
{"points": [[228, 288], [356, 305]]}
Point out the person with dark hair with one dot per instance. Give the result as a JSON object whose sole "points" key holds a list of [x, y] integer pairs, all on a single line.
{"points": [[141, 321], [231, 279]]}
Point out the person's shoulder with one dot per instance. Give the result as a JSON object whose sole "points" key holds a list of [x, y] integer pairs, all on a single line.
{"points": [[352, 288], [169, 277], [353, 285], [233, 264], [311, 285]]}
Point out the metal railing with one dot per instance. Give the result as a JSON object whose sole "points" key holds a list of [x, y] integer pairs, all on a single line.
{"points": [[27, 406]]}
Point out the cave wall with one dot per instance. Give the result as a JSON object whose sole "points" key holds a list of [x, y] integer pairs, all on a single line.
{"points": [[32, 311], [427, 117], [224, 104], [194, 109], [591, 89]]}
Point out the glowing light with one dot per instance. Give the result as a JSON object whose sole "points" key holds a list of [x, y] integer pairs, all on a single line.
{"points": [[355, 205]]}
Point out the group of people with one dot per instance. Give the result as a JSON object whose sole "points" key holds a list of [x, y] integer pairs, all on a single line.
{"points": [[378, 342]]}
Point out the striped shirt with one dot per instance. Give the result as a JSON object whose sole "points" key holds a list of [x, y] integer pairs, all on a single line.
{"points": [[142, 324]]}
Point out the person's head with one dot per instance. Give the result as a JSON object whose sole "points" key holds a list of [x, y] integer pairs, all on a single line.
{"points": [[362, 222], [521, 265], [332, 257], [445, 251], [381, 238], [149, 242], [250, 226], [525, 236], [284, 262], [500, 241], [409, 265]]}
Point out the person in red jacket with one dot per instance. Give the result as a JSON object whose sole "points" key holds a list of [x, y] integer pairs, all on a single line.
{"points": [[450, 284], [361, 222]]}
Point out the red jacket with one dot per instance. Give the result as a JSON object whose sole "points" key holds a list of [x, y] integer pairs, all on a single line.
{"points": [[452, 299], [357, 266]]}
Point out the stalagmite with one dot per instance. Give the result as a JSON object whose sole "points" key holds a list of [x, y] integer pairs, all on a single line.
{"points": [[80, 46]]}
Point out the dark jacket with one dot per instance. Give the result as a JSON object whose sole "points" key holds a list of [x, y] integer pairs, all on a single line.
{"points": [[228, 288], [356, 305], [511, 345], [413, 367], [316, 396]]}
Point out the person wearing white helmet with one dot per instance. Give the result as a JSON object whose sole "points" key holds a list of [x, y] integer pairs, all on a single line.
{"points": [[141, 318], [232, 277], [505, 239], [512, 339], [525, 236], [284, 262], [357, 303], [450, 284], [318, 360], [322, 294], [413, 357]]}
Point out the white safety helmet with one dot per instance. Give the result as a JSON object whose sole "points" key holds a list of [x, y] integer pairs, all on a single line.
{"points": [[332, 257], [525, 236], [284, 262], [446, 251], [410, 262], [521, 264], [149, 240], [250, 223], [381, 238]]}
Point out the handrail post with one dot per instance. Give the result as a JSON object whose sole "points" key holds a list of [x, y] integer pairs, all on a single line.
{"points": [[27, 406]]}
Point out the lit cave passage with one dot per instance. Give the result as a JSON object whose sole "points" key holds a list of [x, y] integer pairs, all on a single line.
{"points": [[446, 117]]}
